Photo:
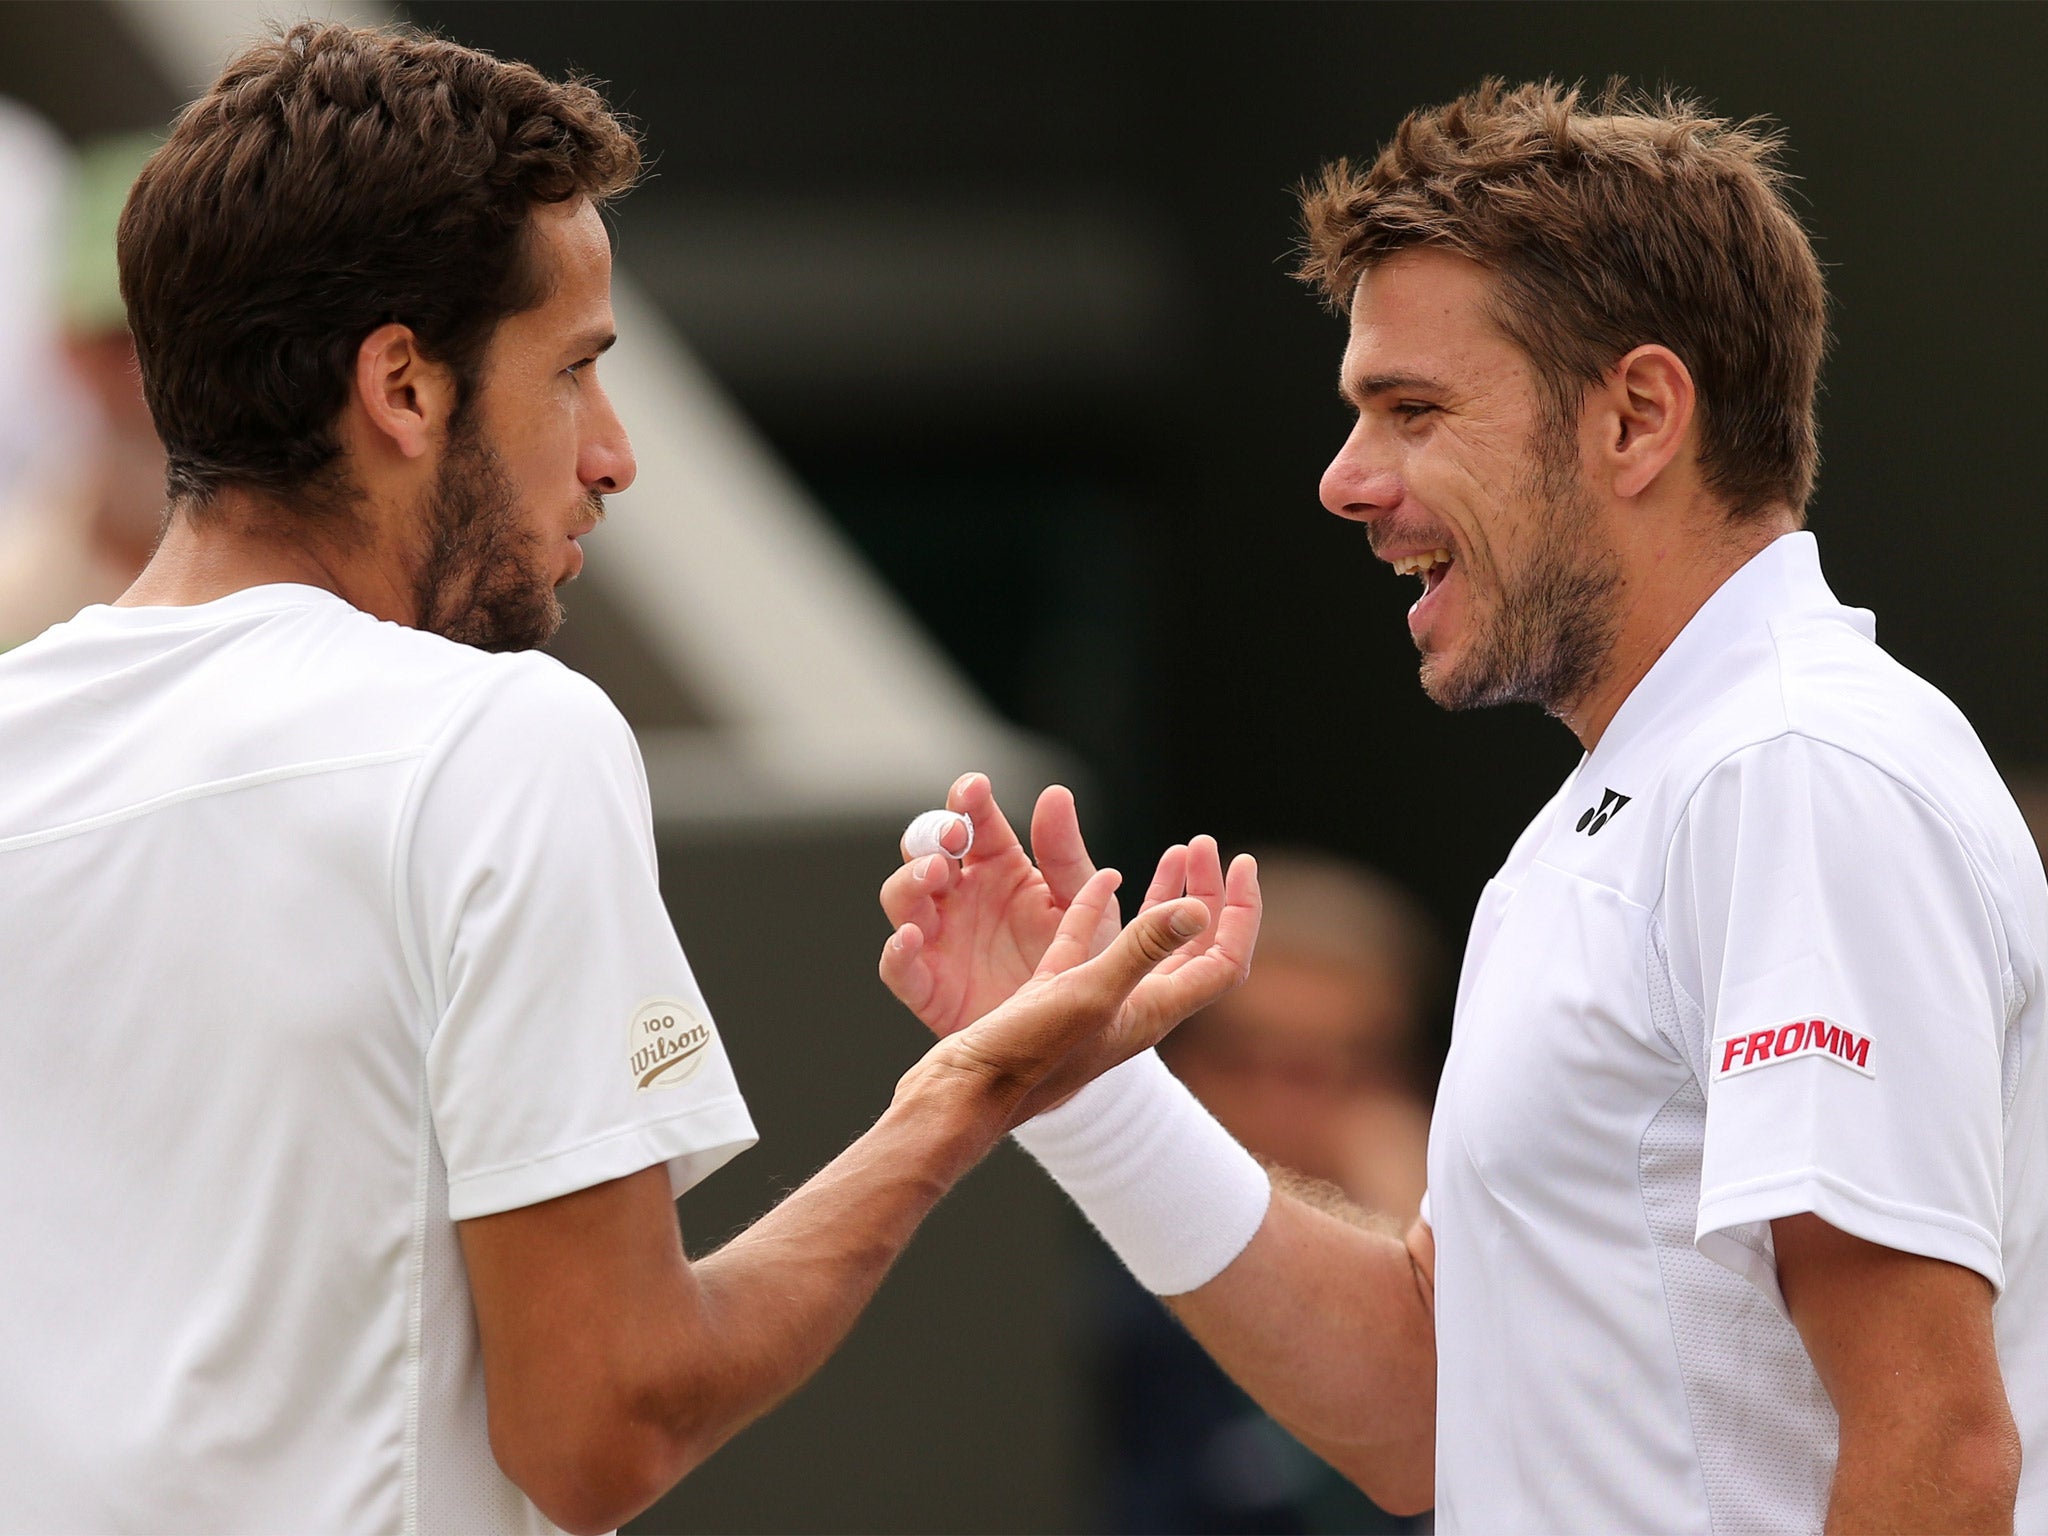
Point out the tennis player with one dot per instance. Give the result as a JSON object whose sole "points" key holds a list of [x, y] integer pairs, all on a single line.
{"points": [[1739, 1165], [349, 1064]]}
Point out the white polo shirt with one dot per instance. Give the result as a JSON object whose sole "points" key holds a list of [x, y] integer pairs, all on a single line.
{"points": [[318, 935], [1775, 947]]}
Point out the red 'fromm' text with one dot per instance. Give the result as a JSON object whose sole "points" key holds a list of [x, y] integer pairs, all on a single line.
{"points": [[1786, 1042]]}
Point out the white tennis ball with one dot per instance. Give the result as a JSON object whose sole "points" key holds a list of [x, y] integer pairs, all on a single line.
{"points": [[923, 835]]}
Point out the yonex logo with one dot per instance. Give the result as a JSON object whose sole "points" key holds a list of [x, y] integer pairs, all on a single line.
{"points": [[1787, 1042], [1598, 816]]}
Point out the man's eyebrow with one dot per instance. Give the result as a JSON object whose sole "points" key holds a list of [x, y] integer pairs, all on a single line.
{"points": [[1359, 391]]}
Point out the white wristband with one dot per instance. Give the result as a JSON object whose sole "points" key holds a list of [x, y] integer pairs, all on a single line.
{"points": [[1167, 1187]]}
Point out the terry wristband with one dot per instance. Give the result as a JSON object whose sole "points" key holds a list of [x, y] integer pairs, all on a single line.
{"points": [[1168, 1188]]}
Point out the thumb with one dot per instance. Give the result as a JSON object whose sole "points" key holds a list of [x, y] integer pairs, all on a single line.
{"points": [[1149, 939]]}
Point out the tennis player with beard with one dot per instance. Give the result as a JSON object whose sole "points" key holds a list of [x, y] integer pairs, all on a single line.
{"points": [[349, 1064], [1735, 1218]]}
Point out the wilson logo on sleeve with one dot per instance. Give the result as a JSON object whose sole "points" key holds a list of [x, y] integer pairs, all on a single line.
{"points": [[665, 1045], [1736, 1054]]}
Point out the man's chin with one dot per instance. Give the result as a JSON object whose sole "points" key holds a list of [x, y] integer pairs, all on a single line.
{"points": [[1440, 674], [506, 621], [1440, 683], [1454, 681]]}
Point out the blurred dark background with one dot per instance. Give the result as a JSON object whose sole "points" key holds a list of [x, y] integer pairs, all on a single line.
{"points": [[1007, 286]]}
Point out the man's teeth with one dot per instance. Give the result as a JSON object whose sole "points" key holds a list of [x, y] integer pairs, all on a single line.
{"points": [[1422, 564]]}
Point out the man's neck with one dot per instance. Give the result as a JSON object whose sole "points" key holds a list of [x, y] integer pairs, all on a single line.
{"points": [[237, 543], [1663, 586]]}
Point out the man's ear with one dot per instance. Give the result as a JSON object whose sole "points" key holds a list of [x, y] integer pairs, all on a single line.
{"points": [[405, 398], [1650, 406]]}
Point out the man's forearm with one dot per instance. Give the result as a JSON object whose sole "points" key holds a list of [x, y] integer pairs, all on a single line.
{"points": [[777, 1300], [683, 1357], [1941, 1474], [1327, 1323], [1321, 1312]]}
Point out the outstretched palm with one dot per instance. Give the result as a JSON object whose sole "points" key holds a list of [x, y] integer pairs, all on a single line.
{"points": [[981, 926], [969, 935]]}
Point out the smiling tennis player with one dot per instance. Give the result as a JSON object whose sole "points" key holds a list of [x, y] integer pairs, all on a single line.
{"points": [[1735, 1216]]}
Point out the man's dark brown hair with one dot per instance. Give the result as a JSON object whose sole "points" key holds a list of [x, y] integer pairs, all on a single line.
{"points": [[334, 180], [1610, 223]]}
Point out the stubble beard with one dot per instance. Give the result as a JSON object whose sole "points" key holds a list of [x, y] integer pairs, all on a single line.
{"points": [[1553, 622], [483, 580]]}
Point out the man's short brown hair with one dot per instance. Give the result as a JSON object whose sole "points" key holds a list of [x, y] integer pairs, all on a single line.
{"points": [[1610, 222], [334, 180]]}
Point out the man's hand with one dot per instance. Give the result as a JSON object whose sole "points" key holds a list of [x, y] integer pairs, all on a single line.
{"points": [[1905, 1348], [1074, 1016], [968, 934], [982, 924]]}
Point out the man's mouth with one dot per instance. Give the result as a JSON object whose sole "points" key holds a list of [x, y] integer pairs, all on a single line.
{"points": [[1432, 565]]}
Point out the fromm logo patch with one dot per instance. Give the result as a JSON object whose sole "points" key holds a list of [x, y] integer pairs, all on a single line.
{"points": [[1736, 1054]]}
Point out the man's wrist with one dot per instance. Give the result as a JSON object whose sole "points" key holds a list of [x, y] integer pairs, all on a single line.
{"points": [[1167, 1187], [955, 1117]]}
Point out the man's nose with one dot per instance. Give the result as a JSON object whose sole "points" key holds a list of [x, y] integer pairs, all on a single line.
{"points": [[1360, 484], [607, 465]]}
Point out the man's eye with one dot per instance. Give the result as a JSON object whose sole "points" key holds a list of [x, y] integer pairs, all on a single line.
{"points": [[575, 370], [1410, 409]]}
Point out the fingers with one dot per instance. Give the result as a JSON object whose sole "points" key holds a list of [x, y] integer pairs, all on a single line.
{"points": [[1151, 937], [1205, 871], [1170, 879], [903, 970], [910, 894], [1071, 944], [1237, 925], [1188, 869], [975, 798], [1170, 995], [1201, 874], [1057, 844], [947, 832]]}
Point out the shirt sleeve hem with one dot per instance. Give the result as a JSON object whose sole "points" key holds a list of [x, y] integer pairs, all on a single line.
{"points": [[1910, 1229], [693, 1145]]}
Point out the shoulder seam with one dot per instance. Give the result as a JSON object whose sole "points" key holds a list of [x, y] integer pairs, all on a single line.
{"points": [[1692, 794], [1583, 878], [207, 790], [1980, 877]]}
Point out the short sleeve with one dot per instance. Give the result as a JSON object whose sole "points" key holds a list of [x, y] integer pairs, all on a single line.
{"points": [[1852, 977], [570, 1044]]}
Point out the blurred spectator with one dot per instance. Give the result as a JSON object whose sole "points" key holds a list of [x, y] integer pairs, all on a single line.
{"points": [[1315, 1063], [83, 522], [32, 171]]}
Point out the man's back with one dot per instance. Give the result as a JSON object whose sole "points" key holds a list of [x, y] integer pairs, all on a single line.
{"points": [[266, 872]]}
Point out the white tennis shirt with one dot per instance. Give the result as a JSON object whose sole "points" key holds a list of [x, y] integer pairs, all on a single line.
{"points": [[318, 935], [1775, 947]]}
